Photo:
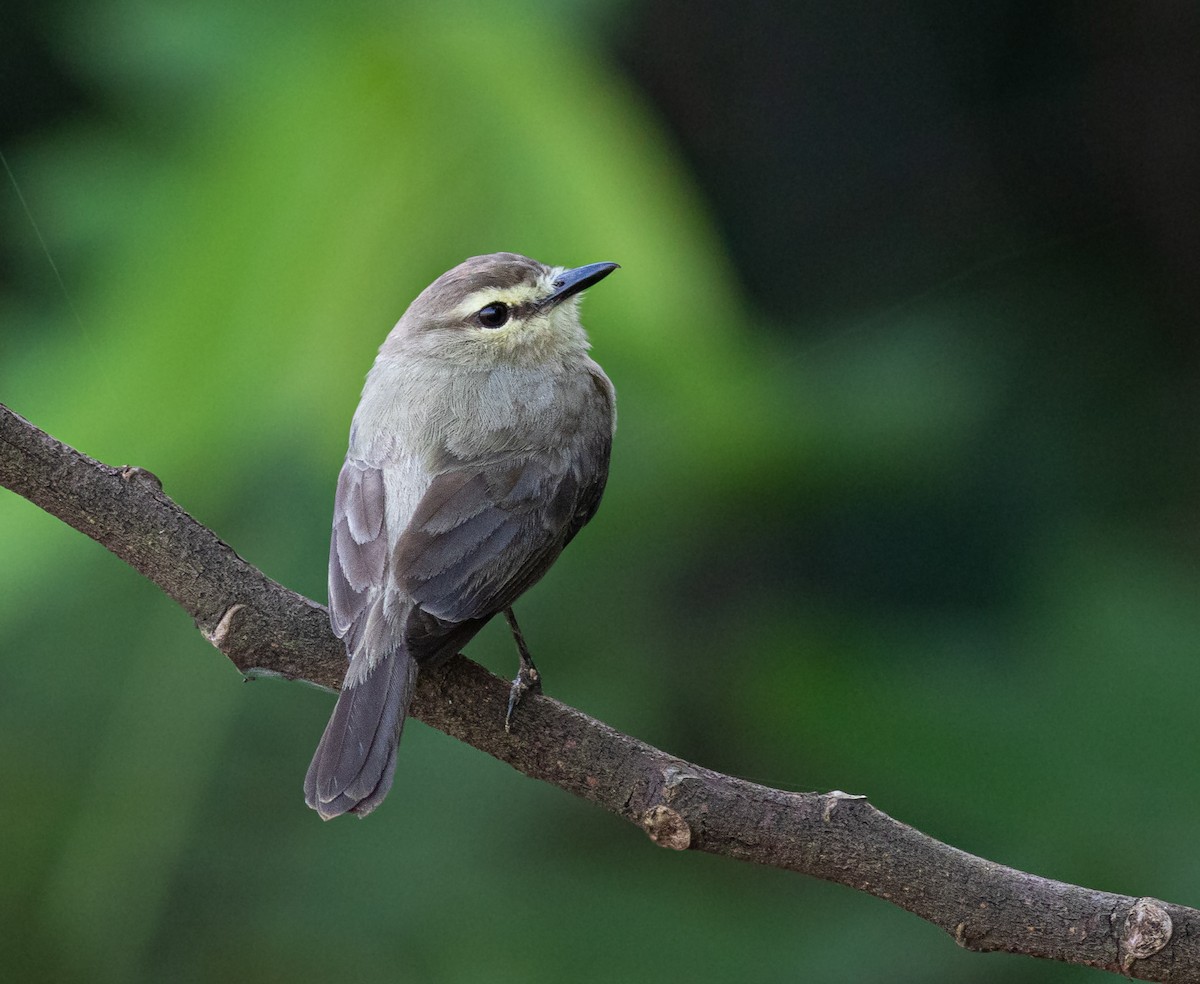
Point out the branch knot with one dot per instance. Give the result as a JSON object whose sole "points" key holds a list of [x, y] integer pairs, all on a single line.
{"points": [[1147, 930], [135, 473], [220, 634], [667, 828]]}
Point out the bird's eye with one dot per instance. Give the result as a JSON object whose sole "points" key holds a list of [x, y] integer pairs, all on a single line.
{"points": [[493, 316]]}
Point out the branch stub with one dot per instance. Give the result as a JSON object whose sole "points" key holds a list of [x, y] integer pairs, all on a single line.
{"points": [[667, 828], [1147, 929]]}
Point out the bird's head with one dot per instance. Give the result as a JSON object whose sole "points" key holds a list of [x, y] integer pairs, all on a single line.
{"points": [[498, 309]]}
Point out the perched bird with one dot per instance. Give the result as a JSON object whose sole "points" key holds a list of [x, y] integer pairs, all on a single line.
{"points": [[479, 448]]}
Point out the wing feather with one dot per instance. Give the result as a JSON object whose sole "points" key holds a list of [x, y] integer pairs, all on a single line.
{"points": [[358, 548], [483, 535]]}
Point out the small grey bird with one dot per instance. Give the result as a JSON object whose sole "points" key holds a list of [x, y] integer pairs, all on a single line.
{"points": [[479, 449]]}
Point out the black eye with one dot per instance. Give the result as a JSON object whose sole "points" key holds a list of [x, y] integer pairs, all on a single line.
{"points": [[493, 316]]}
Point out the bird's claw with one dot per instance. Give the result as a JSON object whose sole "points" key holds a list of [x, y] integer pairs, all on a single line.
{"points": [[528, 681]]}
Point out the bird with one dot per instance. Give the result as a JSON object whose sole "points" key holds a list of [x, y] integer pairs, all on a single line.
{"points": [[479, 449]]}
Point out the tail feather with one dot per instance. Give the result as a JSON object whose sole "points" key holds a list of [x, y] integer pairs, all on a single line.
{"points": [[355, 760]]}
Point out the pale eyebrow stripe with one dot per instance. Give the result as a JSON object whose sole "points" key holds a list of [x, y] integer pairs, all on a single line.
{"points": [[514, 297]]}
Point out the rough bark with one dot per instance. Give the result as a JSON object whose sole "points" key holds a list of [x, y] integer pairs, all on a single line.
{"points": [[265, 628]]}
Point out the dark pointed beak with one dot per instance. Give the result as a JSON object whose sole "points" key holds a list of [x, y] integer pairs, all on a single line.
{"points": [[571, 282]]}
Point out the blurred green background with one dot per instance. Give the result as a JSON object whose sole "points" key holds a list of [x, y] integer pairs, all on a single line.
{"points": [[903, 499]]}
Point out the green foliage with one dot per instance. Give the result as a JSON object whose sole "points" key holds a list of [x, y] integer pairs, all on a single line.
{"points": [[1009, 663]]}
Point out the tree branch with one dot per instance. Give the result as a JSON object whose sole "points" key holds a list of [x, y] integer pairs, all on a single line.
{"points": [[265, 628]]}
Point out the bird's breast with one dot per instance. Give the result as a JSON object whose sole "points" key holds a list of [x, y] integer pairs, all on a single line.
{"points": [[425, 414]]}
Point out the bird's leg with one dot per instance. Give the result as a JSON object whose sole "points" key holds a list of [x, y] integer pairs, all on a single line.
{"points": [[528, 679]]}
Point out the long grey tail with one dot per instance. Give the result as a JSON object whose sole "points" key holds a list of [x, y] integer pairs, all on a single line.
{"points": [[352, 769]]}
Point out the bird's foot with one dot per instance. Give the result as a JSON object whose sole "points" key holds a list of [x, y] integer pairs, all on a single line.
{"points": [[528, 681]]}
